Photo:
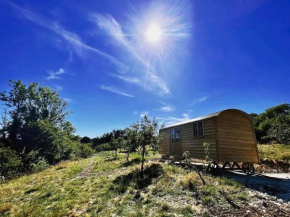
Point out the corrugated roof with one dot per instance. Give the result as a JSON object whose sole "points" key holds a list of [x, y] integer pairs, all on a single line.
{"points": [[205, 117]]}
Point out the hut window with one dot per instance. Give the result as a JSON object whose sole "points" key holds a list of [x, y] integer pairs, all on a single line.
{"points": [[175, 134], [172, 135], [197, 129]]}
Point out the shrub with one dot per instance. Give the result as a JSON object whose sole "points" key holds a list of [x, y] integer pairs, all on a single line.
{"points": [[86, 150], [10, 163], [41, 164]]}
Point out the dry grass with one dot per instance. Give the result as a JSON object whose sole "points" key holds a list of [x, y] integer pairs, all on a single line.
{"points": [[275, 152], [113, 186]]}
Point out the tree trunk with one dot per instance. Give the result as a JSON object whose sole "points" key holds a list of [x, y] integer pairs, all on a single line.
{"points": [[127, 156], [142, 165]]}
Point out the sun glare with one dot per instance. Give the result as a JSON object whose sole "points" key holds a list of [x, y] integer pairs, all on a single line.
{"points": [[154, 33]]}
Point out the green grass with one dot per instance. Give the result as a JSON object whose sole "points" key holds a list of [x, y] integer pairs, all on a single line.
{"points": [[113, 186], [275, 152]]}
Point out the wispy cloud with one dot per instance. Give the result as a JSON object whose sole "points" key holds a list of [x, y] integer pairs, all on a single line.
{"points": [[55, 74], [143, 114], [72, 38], [59, 88], [174, 120], [166, 109], [135, 112], [199, 100], [150, 80], [115, 90], [127, 79]]}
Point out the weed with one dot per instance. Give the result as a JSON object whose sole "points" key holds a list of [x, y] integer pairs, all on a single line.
{"points": [[207, 200], [243, 196]]}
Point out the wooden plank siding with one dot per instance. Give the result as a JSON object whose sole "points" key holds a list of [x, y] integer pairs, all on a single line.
{"points": [[230, 134], [195, 144], [236, 137], [165, 145]]}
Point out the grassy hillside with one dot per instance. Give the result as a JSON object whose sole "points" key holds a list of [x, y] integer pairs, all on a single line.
{"points": [[103, 186], [275, 152]]}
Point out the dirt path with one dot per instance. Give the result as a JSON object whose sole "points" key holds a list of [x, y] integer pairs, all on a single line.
{"points": [[274, 184]]}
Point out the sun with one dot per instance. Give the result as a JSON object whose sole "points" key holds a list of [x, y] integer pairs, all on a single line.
{"points": [[154, 33]]}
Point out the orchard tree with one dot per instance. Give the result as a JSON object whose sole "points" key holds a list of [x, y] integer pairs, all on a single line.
{"points": [[148, 136], [130, 142]]}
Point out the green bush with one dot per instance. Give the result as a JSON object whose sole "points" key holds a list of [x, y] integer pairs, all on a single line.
{"points": [[41, 164], [10, 163], [86, 150]]}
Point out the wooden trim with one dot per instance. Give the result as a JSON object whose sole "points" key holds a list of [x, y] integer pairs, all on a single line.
{"points": [[217, 138], [255, 139]]}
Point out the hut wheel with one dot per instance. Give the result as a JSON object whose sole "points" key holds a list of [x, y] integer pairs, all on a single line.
{"points": [[248, 168], [235, 165], [227, 164]]}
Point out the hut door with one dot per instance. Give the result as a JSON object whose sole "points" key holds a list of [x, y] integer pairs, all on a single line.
{"points": [[175, 149]]}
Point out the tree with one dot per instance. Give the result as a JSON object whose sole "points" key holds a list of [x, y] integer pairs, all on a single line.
{"points": [[273, 124], [130, 142], [36, 120], [86, 139], [148, 136]]}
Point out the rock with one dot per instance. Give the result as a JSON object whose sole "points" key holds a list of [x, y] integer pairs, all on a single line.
{"points": [[248, 212]]}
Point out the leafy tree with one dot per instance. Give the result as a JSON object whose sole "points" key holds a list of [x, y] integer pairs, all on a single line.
{"points": [[130, 142], [147, 136], [10, 163], [35, 120], [86, 139], [273, 124]]}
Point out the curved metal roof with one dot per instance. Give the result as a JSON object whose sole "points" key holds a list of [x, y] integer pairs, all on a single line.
{"points": [[207, 116]]}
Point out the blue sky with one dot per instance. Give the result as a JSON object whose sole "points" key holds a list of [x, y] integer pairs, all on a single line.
{"points": [[205, 56]]}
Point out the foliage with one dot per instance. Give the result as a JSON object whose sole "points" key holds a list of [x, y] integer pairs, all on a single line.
{"points": [[206, 151], [34, 125], [10, 163], [41, 164], [273, 124], [148, 136], [86, 139], [85, 150], [187, 161], [186, 157], [130, 143]]}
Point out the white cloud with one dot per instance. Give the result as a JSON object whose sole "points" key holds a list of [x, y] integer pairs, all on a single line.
{"points": [[174, 120], [166, 109], [135, 112], [55, 74], [143, 114], [199, 100], [72, 38], [127, 79], [115, 90], [152, 82]]}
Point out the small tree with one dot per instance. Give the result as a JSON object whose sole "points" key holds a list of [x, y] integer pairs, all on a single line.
{"points": [[130, 142], [148, 136], [206, 151]]}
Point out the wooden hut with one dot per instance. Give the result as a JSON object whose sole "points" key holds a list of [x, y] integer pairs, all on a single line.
{"points": [[230, 134]]}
